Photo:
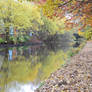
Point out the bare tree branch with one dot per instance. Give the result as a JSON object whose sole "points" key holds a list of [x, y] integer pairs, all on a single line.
{"points": [[60, 5]]}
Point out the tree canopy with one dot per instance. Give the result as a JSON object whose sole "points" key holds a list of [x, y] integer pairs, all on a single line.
{"points": [[19, 15], [77, 12], [46, 15]]}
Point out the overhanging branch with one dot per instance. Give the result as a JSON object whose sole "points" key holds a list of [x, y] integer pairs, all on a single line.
{"points": [[60, 5]]}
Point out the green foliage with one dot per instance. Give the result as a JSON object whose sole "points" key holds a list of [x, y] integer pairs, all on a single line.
{"points": [[17, 39], [1, 40], [88, 33], [52, 26], [19, 15], [70, 53], [26, 38], [74, 51], [21, 39], [42, 83], [12, 38], [27, 16]]}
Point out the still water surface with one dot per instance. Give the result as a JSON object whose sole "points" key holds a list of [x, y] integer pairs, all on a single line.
{"points": [[23, 69]]}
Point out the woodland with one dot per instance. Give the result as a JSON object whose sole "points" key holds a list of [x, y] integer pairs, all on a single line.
{"points": [[44, 19]]}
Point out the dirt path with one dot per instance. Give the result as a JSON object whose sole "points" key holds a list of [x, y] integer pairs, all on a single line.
{"points": [[73, 77]]}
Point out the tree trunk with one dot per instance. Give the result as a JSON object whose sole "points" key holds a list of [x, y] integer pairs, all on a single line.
{"points": [[7, 35]]}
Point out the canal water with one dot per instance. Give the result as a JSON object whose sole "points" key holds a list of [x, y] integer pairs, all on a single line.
{"points": [[23, 69]]}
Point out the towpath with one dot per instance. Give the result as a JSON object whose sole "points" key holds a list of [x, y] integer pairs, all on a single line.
{"points": [[75, 76]]}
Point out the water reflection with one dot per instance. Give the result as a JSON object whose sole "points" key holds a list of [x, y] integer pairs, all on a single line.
{"points": [[20, 87], [23, 68]]}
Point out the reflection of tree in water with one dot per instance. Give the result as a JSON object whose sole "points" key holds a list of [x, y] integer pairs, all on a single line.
{"points": [[4, 70], [17, 71], [33, 65], [59, 41], [31, 51], [17, 53]]}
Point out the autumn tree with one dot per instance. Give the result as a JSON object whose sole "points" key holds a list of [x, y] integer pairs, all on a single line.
{"points": [[18, 15], [77, 12]]}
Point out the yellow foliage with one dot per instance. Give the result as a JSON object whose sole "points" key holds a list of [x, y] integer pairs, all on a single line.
{"points": [[21, 15], [80, 33]]}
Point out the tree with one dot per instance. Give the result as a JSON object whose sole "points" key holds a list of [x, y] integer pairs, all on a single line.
{"points": [[77, 12], [18, 15], [88, 33]]}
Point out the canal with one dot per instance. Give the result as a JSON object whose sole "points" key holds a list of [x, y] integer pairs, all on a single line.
{"points": [[23, 69]]}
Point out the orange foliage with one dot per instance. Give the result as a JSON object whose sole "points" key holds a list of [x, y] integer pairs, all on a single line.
{"points": [[80, 9]]}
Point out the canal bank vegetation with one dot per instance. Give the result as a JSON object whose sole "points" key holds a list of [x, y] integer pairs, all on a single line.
{"points": [[19, 21], [22, 21]]}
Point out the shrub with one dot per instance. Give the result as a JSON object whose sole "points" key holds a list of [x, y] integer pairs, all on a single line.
{"points": [[1, 40], [88, 33]]}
